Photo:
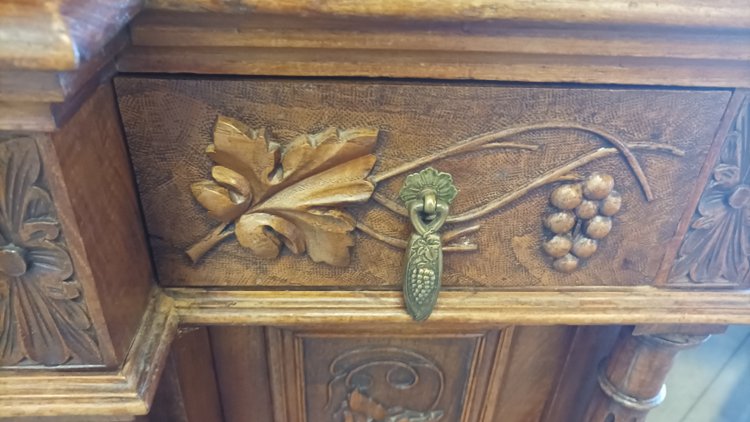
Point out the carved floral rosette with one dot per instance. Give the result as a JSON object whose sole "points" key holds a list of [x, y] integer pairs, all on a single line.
{"points": [[716, 249], [43, 317]]}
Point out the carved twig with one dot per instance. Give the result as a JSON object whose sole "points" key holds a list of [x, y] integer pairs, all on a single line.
{"points": [[456, 233], [402, 244], [506, 145], [197, 250], [395, 242], [557, 174], [478, 142]]}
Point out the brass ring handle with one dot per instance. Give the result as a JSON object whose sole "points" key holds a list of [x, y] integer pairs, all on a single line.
{"points": [[427, 196], [438, 217]]}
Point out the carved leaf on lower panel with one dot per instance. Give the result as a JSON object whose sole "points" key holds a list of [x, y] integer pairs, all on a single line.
{"points": [[43, 317], [403, 380], [268, 197], [716, 249]]}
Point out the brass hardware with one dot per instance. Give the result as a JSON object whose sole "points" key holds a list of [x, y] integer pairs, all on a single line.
{"points": [[427, 195]]}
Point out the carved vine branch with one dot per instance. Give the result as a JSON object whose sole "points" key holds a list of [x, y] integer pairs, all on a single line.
{"points": [[268, 197]]}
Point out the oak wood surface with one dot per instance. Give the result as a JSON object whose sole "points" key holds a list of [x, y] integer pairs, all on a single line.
{"points": [[187, 390], [254, 30], [42, 101], [696, 13], [430, 65], [241, 364], [59, 34], [506, 192], [256, 43], [92, 178], [577, 378]]}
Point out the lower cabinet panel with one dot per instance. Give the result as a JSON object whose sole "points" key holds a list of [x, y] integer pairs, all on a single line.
{"points": [[390, 374]]}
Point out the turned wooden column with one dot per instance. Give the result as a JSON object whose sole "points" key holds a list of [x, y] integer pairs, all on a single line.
{"points": [[631, 379]]}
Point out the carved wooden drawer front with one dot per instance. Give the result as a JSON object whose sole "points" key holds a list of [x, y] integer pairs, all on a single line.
{"points": [[295, 182]]}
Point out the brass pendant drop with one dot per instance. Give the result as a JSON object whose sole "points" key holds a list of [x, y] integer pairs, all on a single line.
{"points": [[427, 195]]}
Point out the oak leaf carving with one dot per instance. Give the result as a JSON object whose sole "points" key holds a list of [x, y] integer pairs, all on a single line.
{"points": [[289, 196]]}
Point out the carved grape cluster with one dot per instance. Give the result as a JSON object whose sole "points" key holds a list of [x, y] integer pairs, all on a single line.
{"points": [[424, 283], [583, 216]]}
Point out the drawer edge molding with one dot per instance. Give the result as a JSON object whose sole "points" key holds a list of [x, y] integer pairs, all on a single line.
{"points": [[640, 305]]}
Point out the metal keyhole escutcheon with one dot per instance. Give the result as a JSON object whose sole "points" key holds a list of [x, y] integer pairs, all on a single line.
{"points": [[427, 196]]}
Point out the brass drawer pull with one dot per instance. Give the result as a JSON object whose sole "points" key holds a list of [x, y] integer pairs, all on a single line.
{"points": [[427, 195]]}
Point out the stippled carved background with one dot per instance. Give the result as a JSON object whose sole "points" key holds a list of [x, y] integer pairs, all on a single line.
{"points": [[169, 123]]}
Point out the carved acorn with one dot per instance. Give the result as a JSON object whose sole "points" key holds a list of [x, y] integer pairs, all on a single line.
{"points": [[583, 216]]}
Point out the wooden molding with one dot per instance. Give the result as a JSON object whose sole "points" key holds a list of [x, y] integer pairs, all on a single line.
{"points": [[127, 390], [639, 305], [694, 13], [58, 35], [130, 389], [43, 101], [241, 44]]}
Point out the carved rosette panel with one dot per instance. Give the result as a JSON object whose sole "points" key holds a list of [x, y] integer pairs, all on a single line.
{"points": [[43, 317], [716, 248]]}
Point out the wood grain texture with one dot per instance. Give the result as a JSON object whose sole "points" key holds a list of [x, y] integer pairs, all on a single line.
{"points": [[506, 147], [258, 44], [59, 34], [88, 161], [697, 13], [127, 390], [176, 29], [44, 100], [577, 379], [454, 65], [644, 305], [241, 364], [187, 390]]}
